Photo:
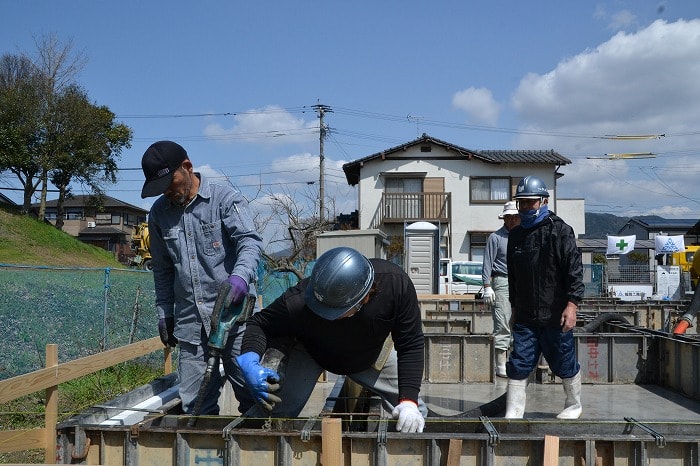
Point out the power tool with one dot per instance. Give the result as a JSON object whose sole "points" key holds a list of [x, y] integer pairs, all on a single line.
{"points": [[223, 317]]}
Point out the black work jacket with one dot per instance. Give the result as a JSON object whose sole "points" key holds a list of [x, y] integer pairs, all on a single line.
{"points": [[544, 272], [350, 345]]}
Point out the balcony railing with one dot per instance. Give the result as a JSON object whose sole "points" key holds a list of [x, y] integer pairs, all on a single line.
{"points": [[400, 207]]}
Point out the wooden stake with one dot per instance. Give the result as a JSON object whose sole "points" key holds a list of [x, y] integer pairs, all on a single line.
{"points": [[454, 452], [331, 442], [551, 450], [51, 407]]}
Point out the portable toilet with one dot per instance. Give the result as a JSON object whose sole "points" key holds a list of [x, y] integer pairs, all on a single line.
{"points": [[422, 256]]}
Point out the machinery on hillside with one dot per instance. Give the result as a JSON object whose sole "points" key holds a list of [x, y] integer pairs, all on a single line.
{"points": [[141, 245]]}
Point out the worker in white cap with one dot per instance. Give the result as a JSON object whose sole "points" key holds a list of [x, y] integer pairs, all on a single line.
{"points": [[495, 279]]}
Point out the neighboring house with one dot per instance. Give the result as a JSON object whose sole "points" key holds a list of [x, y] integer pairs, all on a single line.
{"points": [[649, 226], [459, 191], [108, 227]]}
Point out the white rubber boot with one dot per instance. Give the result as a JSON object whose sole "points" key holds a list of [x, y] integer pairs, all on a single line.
{"points": [[572, 406], [501, 358], [515, 399]]}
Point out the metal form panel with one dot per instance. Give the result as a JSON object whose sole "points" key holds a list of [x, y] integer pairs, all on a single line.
{"points": [[458, 358], [502, 443], [613, 358], [680, 360], [604, 358]]}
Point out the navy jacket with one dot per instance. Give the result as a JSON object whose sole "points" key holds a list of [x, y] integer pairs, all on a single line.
{"points": [[544, 272]]}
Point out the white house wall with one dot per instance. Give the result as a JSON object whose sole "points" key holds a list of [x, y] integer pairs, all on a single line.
{"points": [[573, 212], [455, 169]]}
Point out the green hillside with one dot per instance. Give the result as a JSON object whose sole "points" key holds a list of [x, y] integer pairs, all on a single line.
{"points": [[27, 241]]}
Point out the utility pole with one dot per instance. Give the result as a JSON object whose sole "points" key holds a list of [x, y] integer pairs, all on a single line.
{"points": [[321, 110]]}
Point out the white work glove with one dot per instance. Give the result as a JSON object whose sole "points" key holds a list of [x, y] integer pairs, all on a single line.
{"points": [[489, 295], [410, 419]]}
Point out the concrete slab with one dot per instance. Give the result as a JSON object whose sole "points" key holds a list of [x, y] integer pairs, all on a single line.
{"points": [[605, 402], [544, 401]]}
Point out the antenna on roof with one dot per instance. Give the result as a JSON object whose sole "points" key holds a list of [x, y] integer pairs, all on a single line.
{"points": [[410, 117]]}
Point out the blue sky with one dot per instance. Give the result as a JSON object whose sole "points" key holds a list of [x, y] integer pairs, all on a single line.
{"points": [[235, 84]]}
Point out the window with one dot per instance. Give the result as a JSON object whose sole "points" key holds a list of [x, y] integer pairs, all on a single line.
{"points": [[103, 219], [116, 219], [399, 201], [403, 185], [483, 190], [477, 246]]}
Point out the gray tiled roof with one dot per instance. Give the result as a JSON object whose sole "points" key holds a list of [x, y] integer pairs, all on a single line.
{"points": [[102, 230], [524, 156], [655, 222], [352, 169], [81, 200], [602, 243]]}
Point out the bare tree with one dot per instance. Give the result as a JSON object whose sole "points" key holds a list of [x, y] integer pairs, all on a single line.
{"points": [[293, 223], [58, 67]]}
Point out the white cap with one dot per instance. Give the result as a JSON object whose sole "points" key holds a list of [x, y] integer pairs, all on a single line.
{"points": [[508, 209]]}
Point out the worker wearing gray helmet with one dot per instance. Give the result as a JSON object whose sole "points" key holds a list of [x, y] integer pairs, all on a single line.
{"points": [[545, 279], [340, 318]]}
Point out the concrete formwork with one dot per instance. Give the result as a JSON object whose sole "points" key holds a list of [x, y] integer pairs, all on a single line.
{"points": [[641, 398]]}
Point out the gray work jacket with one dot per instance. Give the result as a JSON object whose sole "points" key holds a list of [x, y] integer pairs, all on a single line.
{"points": [[195, 248]]}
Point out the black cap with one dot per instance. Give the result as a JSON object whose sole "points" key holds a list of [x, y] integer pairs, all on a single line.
{"points": [[159, 162]]}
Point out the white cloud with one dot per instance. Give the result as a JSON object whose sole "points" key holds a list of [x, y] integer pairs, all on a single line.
{"points": [[620, 20], [268, 125], [633, 84], [479, 105]]}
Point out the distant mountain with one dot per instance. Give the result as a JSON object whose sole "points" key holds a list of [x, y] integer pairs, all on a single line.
{"points": [[600, 225]]}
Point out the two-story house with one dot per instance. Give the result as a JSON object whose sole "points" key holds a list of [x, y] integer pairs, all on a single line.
{"points": [[108, 226], [460, 191]]}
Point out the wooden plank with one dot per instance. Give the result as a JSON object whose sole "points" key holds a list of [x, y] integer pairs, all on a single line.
{"points": [[551, 450], [51, 407], [168, 356], [454, 452], [331, 442], [16, 440], [42, 379]]}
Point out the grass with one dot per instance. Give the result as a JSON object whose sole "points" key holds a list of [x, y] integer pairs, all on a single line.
{"points": [[27, 241], [73, 398]]}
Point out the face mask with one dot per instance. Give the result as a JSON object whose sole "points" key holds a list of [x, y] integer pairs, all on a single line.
{"points": [[530, 218]]}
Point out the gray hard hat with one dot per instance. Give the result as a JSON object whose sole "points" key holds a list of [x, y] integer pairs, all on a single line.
{"points": [[340, 279], [531, 187]]}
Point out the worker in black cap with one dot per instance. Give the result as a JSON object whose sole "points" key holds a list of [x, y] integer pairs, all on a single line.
{"points": [[201, 235]]}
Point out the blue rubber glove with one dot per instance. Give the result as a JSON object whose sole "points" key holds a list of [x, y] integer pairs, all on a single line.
{"points": [[166, 329], [260, 380], [239, 289]]}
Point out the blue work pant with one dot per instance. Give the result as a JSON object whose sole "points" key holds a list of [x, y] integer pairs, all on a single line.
{"points": [[530, 342]]}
